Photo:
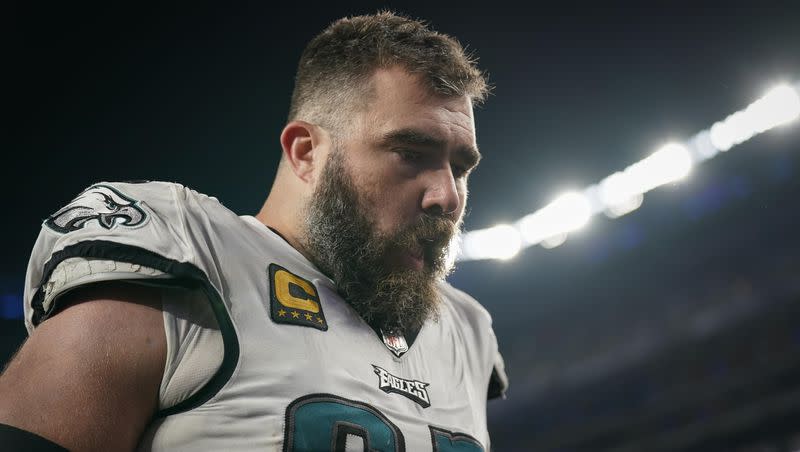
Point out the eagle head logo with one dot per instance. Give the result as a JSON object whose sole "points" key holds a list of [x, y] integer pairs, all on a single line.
{"points": [[98, 202]]}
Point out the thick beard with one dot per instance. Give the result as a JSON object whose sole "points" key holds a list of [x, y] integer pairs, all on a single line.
{"points": [[344, 243]]}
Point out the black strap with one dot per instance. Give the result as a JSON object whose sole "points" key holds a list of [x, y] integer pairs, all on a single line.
{"points": [[14, 439]]}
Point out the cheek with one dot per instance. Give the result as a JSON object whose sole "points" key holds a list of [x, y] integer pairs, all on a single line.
{"points": [[394, 208], [386, 186], [393, 204]]}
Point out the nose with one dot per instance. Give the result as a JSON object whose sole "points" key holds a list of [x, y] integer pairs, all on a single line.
{"points": [[441, 194]]}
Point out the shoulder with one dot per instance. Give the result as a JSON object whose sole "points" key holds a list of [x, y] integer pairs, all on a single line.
{"points": [[115, 230], [132, 209], [474, 323], [464, 305], [123, 204], [113, 220]]}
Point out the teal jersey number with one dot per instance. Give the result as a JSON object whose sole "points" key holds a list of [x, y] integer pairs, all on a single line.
{"points": [[445, 441], [319, 422], [323, 421]]}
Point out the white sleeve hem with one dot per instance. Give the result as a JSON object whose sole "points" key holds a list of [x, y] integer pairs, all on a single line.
{"points": [[78, 271]]}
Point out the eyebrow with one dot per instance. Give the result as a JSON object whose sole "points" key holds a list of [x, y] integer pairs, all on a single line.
{"points": [[414, 137]]}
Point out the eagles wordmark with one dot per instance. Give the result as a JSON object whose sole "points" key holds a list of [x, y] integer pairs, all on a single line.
{"points": [[413, 389]]}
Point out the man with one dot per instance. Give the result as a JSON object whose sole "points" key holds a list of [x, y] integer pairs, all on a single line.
{"points": [[160, 320]]}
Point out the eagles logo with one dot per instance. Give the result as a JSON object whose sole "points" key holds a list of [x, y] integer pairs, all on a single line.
{"points": [[98, 202], [413, 389]]}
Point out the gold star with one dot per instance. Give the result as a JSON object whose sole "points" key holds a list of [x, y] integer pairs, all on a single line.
{"points": [[295, 314], [282, 313], [308, 316], [319, 320]]}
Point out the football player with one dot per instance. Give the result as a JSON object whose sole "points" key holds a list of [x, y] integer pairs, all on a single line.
{"points": [[161, 320]]}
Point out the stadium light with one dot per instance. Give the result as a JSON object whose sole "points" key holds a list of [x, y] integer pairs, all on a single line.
{"points": [[668, 164], [701, 146], [625, 207], [623, 192], [498, 242], [779, 106], [554, 241], [568, 212]]}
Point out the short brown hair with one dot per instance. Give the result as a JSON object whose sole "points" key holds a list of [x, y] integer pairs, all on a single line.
{"points": [[336, 65]]}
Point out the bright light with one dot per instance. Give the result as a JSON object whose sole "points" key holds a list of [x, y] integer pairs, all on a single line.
{"points": [[618, 189], [668, 164], [703, 147], [624, 208], [779, 106], [623, 191], [619, 195], [554, 241], [569, 212], [499, 242], [574, 210], [674, 161], [721, 136]]}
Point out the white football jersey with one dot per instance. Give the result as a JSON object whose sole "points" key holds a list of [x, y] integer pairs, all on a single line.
{"points": [[271, 357]]}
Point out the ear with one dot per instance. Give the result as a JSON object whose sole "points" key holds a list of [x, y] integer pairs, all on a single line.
{"points": [[304, 147]]}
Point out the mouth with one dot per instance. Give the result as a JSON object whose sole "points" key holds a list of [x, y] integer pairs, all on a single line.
{"points": [[415, 258], [417, 252], [408, 258]]}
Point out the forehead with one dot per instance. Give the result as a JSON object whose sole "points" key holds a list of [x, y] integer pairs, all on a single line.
{"points": [[400, 100]]}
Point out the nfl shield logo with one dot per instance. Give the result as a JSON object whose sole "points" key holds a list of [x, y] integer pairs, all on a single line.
{"points": [[395, 342]]}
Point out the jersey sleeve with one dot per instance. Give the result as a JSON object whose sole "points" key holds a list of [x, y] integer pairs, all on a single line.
{"points": [[109, 231], [135, 233], [195, 347]]}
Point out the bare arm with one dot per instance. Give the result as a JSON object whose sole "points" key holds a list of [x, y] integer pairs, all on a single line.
{"points": [[88, 378]]}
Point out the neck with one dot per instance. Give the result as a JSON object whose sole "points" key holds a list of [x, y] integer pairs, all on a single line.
{"points": [[283, 219]]}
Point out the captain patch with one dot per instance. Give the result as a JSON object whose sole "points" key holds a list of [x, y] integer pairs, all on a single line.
{"points": [[294, 300], [103, 203], [413, 389]]}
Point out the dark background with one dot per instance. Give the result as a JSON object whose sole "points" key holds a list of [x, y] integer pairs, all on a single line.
{"points": [[672, 328]]}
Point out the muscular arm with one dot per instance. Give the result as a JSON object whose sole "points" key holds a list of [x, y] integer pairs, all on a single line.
{"points": [[88, 378]]}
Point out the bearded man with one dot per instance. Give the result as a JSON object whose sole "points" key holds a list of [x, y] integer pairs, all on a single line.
{"points": [[160, 320]]}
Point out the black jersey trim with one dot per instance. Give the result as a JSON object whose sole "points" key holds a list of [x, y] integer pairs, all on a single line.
{"points": [[182, 271], [13, 438], [496, 386]]}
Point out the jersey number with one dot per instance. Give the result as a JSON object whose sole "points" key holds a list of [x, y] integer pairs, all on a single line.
{"points": [[324, 422]]}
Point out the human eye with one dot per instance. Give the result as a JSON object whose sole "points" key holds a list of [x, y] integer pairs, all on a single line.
{"points": [[462, 168], [460, 171], [408, 155], [463, 162]]}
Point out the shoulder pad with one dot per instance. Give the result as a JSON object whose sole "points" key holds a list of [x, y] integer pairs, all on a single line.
{"points": [[136, 223]]}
